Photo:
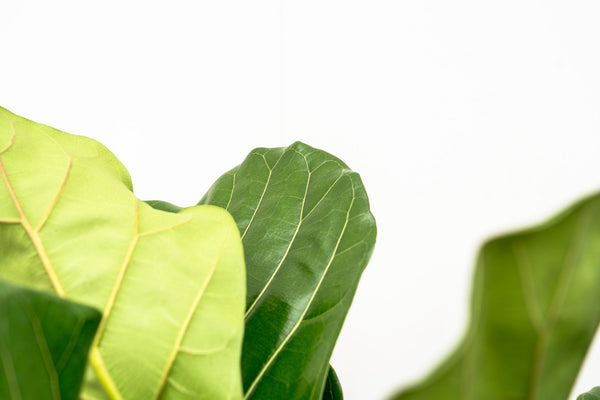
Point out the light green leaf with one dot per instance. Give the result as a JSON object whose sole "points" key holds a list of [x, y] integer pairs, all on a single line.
{"points": [[171, 286], [593, 394], [534, 312], [333, 388], [44, 342], [308, 234]]}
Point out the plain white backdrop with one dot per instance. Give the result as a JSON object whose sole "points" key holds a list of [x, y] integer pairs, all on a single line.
{"points": [[464, 118]]}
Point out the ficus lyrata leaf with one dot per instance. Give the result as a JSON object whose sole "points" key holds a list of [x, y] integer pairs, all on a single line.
{"points": [[333, 388], [534, 312], [593, 394], [308, 234], [44, 343], [171, 286]]}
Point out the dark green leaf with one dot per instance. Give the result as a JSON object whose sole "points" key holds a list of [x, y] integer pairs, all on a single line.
{"points": [[308, 234], [44, 342], [593, 394], [164, 206], [333, 388], [534, 312]]}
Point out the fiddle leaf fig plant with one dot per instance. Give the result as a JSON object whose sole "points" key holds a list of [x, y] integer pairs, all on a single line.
{"points": [[241, 296], [298, 293], [534, 312], [285, 200], [593, 394]]}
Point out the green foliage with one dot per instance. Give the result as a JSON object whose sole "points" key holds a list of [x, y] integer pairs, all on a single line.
{"points": [[244, 295], [171, 282], [44, 342], [534, 313], [308, 234], [171, 286], [593, 394], [333, 388]]}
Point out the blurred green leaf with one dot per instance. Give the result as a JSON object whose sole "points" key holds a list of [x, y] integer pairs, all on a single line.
{"points": [[534, 312], [44, 342]]}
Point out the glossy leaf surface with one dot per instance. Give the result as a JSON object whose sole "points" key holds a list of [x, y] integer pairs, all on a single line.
{"points": [[308, 234], [333, 388], [593, 394], [534, 313], [44, 343], [171, 286]]}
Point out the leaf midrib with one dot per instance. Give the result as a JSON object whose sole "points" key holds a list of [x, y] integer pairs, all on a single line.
{"points": [[301, 219], [292, 331], [542, 327], [44, 351], [189, 317], [287, 250], [95, 357], [558, 299], [33, 233]]}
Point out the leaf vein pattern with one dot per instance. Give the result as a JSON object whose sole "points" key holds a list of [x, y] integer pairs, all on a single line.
{"points": [[570, 263], [179, 387], [527, 285], [263, 192], [44, 351], [287, 250], [234, 175], [60, 189], [31, 232], [155, 231], [70, 346], [12, 139], [326, 312], [119, 280], [188, 320], [533, 312], [292, 331], [322, 197], [344, 169], [363, 242], [559, 297], [195, 352], [95, 357]]}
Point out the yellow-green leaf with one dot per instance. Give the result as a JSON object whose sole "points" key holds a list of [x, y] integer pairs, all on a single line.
{"points": [[171, 286]]}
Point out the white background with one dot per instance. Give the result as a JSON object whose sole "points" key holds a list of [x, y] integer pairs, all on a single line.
{"points": [[464, 118]]}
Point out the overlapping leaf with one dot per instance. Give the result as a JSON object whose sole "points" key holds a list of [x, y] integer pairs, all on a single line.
{"points": [[333, 388], [171, 286], [44, 342], [593, 394], [534, 312], [308, 234]]}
